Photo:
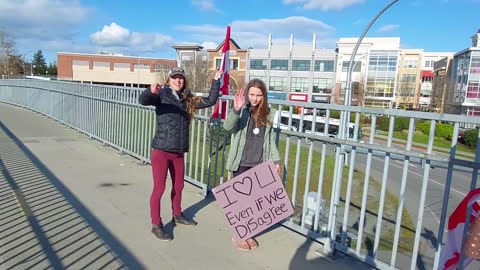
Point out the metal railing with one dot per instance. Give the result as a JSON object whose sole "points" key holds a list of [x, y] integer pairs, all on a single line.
{"points": [[383, 198]]}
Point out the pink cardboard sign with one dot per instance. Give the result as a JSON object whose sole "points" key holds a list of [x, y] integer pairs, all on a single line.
{"points": [[254, 200]]}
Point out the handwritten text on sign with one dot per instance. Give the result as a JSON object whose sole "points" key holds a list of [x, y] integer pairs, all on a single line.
{"points": [[254, 200]]}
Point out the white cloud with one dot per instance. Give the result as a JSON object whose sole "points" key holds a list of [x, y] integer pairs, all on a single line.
{"points": [[205, 5], [116, 37], [49, 25], [255, 33], [388, 28], [324, 5], [42, 19], [111, 35], [209, 45]]}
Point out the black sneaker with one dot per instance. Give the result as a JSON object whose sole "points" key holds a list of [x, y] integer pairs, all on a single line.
{"points": [[160, 233], [181, 219]]}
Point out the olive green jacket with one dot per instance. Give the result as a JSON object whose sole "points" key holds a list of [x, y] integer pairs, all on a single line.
{"points": [[238, 123]]}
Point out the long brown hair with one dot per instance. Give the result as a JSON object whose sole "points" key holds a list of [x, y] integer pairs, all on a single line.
{"points": [[192, 101], [260, 112]]}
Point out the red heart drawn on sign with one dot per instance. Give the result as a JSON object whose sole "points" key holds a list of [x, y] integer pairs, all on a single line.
{"points": [[243, 187]]}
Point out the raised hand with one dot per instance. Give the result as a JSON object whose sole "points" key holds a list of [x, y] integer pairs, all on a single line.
{"points": [[277, 168], [239, 99], [155, 88], [218, 75]]}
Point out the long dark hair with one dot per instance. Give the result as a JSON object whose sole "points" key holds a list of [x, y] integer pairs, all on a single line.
{"points": [[260, 112]]}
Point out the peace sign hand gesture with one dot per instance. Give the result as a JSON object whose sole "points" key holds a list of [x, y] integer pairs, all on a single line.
{"points": [[239, 99]]}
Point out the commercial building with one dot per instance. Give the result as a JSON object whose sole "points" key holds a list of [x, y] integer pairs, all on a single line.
{"points": [[133, 71], [375, 71], [294, 72], [465, 98]]}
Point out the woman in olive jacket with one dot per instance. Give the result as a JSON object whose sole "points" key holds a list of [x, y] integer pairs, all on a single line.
{"points": [[253, 140], [174, 107]]}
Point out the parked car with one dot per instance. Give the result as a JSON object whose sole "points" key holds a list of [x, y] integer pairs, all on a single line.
{"points": [[461, 136]]}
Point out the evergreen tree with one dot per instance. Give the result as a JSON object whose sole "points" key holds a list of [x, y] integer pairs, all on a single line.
{"points": [[52, 69], [39, 64]]}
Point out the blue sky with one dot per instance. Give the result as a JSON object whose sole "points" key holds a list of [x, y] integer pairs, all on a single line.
{"points": [[135, 27]]}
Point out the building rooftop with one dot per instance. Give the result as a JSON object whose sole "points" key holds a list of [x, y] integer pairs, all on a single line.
{"points": [[188, 47]]}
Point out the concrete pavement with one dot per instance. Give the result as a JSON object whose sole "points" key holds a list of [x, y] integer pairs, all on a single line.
{"points": [[67, 202]]}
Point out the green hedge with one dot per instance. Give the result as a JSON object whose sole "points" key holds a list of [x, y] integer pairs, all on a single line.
{"points": [[441, 130], [401, 123], [471, 137]]}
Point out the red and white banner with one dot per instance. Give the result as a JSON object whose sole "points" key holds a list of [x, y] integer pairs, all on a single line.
{"points": [[450, 255], [225, 66]]}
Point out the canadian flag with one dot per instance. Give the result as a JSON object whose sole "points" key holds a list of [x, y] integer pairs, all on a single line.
{"points": [[450, 255], [225, 66]]}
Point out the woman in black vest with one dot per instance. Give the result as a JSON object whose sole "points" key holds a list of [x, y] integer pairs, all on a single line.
{"points": [[174, 106]]}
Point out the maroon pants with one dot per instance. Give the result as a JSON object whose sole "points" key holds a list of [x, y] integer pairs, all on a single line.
{"points": [[174, 163]]}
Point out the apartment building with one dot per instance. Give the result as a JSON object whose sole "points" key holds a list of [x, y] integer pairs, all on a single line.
{"points": [[465, 91], [441, 94], [427, 76], [409, 78]]}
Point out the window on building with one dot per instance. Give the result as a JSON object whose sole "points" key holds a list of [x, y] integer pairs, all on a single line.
{"points": [[218, 62], [278, 83], [234, 64], [409, 78], [410, 63], [141, 66], [161, 68], [429, 63], [324, 65], [322, 85], [473, 90], [258, 64], [382, 63], [357, 66], [277, 64], [301, 65], [475, 65], [380, 87], [253, 76], [472, 111], [299, 84]]}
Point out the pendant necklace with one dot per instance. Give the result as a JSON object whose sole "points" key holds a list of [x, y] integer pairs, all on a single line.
{"points": [[256, 131]]}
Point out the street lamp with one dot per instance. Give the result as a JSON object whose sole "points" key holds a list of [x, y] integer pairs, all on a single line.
{"points": [[329, 245], [23, 57], [138, 66]]}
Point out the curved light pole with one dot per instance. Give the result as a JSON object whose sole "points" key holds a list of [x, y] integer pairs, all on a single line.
{"points": [[23, 57], [329, 246]]}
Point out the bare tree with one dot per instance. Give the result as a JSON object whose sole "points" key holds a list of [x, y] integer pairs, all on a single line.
{"points": [[358, 89], [337, 94], [197, 72], [161, 72], [406, 94], [8, 58]]}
